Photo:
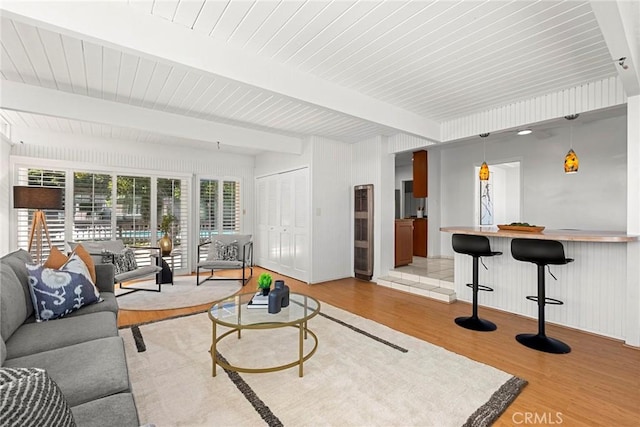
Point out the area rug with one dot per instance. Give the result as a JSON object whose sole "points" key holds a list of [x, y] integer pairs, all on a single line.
{"points": [[183, 293], [363, 374]]}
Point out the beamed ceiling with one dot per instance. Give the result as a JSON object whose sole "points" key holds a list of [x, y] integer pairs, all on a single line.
{"points": [[261, 75]]}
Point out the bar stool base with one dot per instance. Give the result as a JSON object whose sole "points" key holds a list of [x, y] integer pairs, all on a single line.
{"points": [[543, 343], [476, 324]]}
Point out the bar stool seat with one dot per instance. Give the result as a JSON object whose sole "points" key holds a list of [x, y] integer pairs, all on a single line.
{"points": [[541, 253], [476, 247]]}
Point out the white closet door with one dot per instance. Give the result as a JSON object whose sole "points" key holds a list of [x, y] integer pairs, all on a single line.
{"points": [[283, 228]]}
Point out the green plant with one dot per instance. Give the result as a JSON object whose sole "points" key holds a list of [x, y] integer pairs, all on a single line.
{"points": [[264, 281], [167, 220]]}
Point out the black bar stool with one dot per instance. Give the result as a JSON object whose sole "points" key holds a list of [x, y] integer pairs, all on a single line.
{"points": [[476, 246], [541, 253]]}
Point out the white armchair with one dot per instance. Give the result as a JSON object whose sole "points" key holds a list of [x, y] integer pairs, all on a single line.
{"points": [[109, 249], [226, 252]]}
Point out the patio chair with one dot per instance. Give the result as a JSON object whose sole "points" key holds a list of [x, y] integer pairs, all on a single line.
{"points": [[226, 252]]}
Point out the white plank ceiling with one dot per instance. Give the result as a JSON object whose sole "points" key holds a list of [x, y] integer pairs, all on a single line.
{"points": [[438, 60]]}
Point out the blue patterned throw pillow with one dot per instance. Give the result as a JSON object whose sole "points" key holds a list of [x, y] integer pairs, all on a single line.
{"points": [[56, 293]]}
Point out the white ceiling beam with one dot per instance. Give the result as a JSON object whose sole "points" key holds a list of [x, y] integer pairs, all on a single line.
{"points": [[119, 26], [49, 102], [618, 22]]}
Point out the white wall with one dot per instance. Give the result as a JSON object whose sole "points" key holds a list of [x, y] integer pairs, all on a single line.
{"points": [[5, 195], [595, 198], [331, 210], [373, 164]]}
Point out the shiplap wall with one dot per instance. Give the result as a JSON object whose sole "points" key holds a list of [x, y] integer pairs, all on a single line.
{"points": [[5, 186], [592, 96], [404, 142], [373, 164], [331, 210]]}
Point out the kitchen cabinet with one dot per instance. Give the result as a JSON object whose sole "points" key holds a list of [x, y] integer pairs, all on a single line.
{"points": [[420, 174], [420, 227], [403, 242]]}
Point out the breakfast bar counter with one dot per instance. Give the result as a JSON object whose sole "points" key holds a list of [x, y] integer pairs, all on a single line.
{"points": [[594, 287], [567, 235]]}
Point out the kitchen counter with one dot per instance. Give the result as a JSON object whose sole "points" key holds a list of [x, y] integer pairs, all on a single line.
{"points": [[594, 288], [546, 234]]}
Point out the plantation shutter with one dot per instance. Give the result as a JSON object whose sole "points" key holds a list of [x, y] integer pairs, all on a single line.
{"points": [[172, 199], [133, 214], [55, 219], [208, 209], [231, 207], [92, 206]]}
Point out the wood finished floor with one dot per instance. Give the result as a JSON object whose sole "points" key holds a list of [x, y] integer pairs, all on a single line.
{"points": [[597, 384]]}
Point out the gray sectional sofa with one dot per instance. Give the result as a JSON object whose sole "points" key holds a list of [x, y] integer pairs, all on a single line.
{"points": [[82, 352]]}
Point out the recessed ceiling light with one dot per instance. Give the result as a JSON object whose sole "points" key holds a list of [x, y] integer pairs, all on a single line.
{"points": [[524, 132]]}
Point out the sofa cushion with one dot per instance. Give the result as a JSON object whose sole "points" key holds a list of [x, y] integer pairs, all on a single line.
{"points": [[109, 303], [116, 410], [56, 293], [138, 273], [56, 258], [84, 372], [3, 352], [13, 311], [31, 398], [17, 260], [43, 336]]}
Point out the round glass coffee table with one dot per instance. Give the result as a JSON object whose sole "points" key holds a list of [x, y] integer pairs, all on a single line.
{"points": [[234, 312]]}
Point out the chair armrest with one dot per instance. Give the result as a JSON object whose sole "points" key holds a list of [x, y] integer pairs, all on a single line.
{"points": [[247, 253], [105, 277]]}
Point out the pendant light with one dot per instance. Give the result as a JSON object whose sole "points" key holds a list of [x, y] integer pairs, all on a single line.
{"points": [[571, 161], [484, 168]]}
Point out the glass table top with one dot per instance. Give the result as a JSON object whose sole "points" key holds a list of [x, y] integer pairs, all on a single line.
{"points": [[235, 312]]}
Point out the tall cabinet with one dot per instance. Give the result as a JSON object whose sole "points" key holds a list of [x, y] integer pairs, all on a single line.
{"points": [[420, 174], [403, 242], [420, 227], [282, 235]]}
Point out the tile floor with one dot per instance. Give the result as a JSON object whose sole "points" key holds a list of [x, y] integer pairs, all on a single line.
{"points": [[432, 278], [435, 268]]}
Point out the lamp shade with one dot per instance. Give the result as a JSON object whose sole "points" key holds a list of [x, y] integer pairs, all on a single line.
{"points": [[484, 172], [571, 162], [37, 197]]}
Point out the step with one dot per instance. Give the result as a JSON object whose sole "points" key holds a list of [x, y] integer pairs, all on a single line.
{"points": [[439, 283], [419, 287]]}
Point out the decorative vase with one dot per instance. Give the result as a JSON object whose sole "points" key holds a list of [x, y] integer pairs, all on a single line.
{"points": [[265, 291], [278, 297], [165, 244]]}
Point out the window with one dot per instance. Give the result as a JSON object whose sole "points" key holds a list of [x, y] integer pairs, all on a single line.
{"points": [[208, 209], [219, 210], [92, 206], [55, 219], [231, 207], [170, 201], [133, 210]]}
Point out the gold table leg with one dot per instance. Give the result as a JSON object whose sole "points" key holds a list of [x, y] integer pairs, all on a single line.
{"points": [[214, 356]]}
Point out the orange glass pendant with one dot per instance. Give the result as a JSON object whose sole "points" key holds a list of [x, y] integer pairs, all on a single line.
{"points": [[571, 162], [484, 172]]}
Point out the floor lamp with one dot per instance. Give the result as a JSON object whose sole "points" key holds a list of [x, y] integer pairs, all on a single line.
{"points": [[38, 198]]}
